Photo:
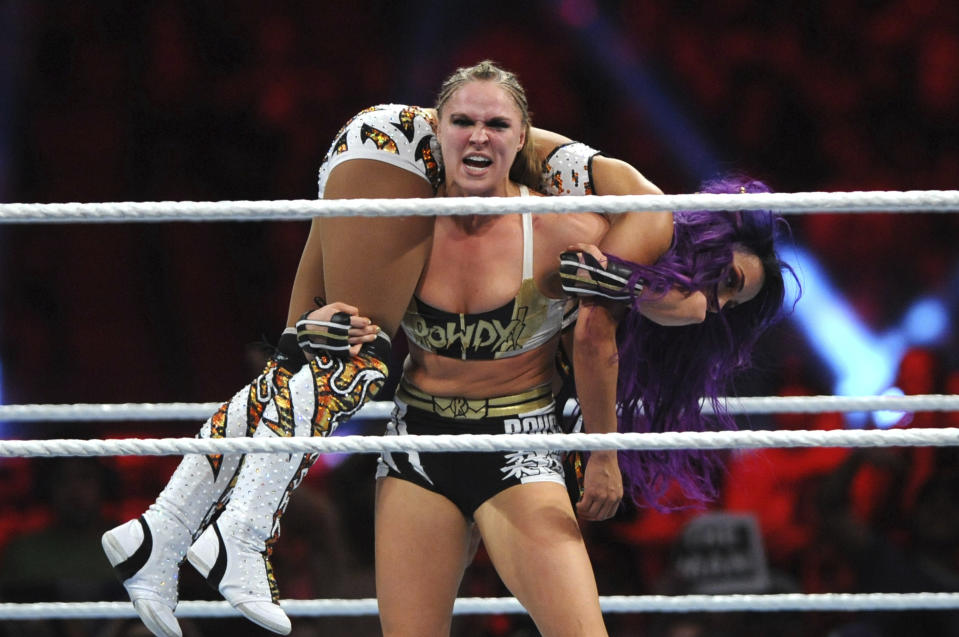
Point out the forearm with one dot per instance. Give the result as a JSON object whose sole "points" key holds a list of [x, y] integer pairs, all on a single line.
{"points": [[596, 366]]}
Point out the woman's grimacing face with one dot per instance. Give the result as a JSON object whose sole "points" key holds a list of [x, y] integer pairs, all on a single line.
{"points": [[480, 132], [742, 282]]}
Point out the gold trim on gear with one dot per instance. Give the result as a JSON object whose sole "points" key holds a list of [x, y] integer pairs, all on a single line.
{"points": [[476, 408]]}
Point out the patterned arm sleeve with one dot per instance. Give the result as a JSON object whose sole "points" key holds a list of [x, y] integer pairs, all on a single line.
{"points": [[569, 170]]}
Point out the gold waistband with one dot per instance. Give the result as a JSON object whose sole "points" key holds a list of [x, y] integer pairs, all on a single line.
{"points": [[475, 408]]}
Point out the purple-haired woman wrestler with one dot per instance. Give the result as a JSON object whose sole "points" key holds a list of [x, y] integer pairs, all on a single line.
{"points": [[718, 261]]}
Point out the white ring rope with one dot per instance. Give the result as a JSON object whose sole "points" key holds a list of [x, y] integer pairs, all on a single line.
{"points": [[486, 442], [501, 605], [154, 211], [382, 409], [108, 412]]}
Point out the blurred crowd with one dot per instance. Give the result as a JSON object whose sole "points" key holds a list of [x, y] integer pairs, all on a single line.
{"points": [[170, 101]]}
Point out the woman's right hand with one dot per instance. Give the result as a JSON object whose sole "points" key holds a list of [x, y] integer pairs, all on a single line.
{"points": [[590, 249], [602, 487]]}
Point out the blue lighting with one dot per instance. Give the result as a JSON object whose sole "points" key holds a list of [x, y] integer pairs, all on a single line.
{"points": [[614, 55], [926, 321], [886, 419], [861, 363]]}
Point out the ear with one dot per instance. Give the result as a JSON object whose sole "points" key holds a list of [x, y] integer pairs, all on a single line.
{"points": [[522, 141]]}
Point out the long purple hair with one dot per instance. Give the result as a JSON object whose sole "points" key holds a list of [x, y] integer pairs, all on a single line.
{"points": [[664, 372]]}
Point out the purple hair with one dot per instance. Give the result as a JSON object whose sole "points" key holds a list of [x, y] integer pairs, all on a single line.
{"points": [[664, 372]]}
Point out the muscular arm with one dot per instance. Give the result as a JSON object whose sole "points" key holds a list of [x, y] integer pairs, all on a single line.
{"points": [[641, 237], [595, 368]]}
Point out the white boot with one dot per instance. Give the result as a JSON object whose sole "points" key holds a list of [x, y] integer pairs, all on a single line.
{"points": [[147, 552], [148, 564], [233, 554]]}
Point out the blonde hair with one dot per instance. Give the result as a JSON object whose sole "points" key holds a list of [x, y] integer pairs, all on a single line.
{"points": [[526, 168]]}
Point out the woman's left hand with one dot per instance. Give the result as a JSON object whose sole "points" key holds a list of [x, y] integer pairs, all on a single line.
{"points": [[361, 330], [602, 487]]}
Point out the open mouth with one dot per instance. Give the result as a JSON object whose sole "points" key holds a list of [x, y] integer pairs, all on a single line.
{"points": [[476, 161]]}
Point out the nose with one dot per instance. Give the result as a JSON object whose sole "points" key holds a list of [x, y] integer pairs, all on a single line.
{"points": [[478, 136]]}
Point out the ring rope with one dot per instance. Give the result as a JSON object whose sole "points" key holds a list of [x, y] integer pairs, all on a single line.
{"points": [[757, 439], [383, 409], [501, 605], [154, 211]]}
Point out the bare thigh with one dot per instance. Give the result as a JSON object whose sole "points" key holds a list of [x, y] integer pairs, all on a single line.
{"points": [[534, 541], [423, 544], [374, 263]]}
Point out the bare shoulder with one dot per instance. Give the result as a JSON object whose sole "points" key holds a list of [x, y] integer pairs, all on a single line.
{"points": [[564, 228], [560, 229]]}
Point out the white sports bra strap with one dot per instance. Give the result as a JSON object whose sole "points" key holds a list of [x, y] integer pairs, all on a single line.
{"points": [[527, 238]]}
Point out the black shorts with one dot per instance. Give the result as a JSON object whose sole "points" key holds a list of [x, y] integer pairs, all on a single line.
{"points": [[468, 479]]}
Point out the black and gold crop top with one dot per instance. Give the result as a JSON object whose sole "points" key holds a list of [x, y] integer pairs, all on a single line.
{"points": [[523, 324]]}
